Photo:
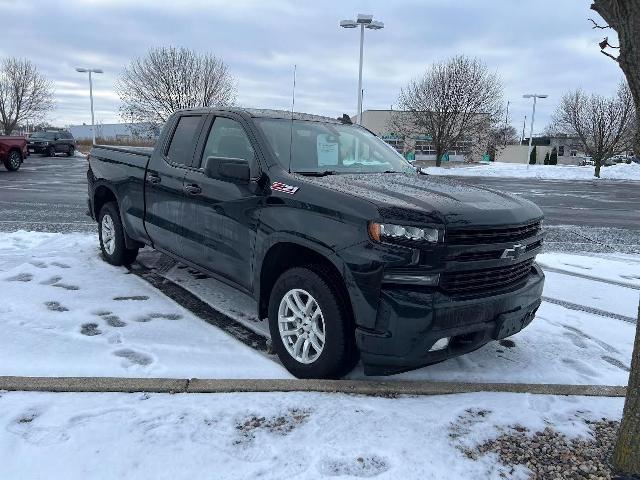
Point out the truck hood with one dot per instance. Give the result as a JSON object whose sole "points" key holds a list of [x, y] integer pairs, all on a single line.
{"points": [[430, 199]]}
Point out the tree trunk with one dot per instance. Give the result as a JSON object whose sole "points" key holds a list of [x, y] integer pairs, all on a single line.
{"points": [[598, 163], [438, 157], [626, 457]]}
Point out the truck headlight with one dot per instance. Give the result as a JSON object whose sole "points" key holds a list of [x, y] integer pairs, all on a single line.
{"points": [[390, 232]]}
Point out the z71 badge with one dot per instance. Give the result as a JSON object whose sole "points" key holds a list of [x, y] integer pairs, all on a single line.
{"points": [[284, 188]]}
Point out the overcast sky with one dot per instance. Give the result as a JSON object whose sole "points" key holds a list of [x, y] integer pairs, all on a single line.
{"points": [[535, 46]]}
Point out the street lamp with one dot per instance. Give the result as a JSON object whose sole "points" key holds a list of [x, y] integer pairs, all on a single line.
{"points": [[365, 21], [90, 71], [535, 96]]}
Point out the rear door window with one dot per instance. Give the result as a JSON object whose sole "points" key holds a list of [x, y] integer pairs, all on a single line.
{"points": [[183, 141]]}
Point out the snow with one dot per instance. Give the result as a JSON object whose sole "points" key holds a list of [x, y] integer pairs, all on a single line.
{"points": [[66, 312], [161, 339], [621, 171], [272, 435], [614, 267]]}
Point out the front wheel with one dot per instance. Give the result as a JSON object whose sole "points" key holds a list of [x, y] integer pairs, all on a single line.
{"points": [[51, 152], [111, 235], [13, 161], [71, 152], [311, 329]]}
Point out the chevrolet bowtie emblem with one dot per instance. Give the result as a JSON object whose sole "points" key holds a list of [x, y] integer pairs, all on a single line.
{"points": [[514, 252]]}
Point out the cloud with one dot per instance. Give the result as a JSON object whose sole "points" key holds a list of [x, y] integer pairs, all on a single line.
{"points": [[543, 46]]}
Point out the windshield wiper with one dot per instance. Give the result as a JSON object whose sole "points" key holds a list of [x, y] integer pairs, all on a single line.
{"points": [[318, 173]]}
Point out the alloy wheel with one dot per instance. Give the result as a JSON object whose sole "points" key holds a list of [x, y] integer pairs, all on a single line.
{"points": [[108, 234], [14, 160], [301, 326]]}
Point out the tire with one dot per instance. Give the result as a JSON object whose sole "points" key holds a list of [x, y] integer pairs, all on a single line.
{"points": [[71, 152], [51, 152], [338, 353], [111, 235], [13, 161]]}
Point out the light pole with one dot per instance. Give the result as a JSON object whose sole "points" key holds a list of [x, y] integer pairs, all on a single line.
{"points": [[365, 21], [535, 96], [90, 71]]}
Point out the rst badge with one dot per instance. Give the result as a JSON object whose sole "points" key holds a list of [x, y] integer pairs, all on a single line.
{"points": [[284, 188]]}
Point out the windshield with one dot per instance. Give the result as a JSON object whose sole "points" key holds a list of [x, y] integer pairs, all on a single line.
{"points": [[47, 135], [322, 148]]}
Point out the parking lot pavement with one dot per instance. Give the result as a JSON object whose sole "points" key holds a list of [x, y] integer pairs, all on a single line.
{"points": [[47, 194]]}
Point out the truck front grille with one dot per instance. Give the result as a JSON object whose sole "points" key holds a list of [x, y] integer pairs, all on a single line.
{"points": [[472, 236], [472, 281]]}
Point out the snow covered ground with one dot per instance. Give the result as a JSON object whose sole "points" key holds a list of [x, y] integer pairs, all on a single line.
{"points": [[69, 313], [272, 436], [545, 172], [66, 312]]}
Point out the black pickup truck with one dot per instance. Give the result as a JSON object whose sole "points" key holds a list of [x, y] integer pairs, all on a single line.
{"points": [[347, 249]]}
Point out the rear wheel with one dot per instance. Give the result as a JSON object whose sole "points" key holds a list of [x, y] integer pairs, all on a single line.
{"points": [[111, 235], [71, 152], [311, 329], [13, 161]]}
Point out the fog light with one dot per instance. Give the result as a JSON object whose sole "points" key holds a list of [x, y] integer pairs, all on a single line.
{"points": [[440, 344]]}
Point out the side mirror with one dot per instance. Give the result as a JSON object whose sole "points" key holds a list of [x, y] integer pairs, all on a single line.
{"points": [[232, 169]]}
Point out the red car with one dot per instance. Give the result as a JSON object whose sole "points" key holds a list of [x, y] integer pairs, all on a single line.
{"points": [[13, 151]]}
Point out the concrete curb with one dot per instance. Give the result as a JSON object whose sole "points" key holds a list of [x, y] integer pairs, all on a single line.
{"points": [[360, 387]]}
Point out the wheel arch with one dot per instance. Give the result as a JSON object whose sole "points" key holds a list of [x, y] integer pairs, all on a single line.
{"points": [[15, 149], [288, 253], [103, 194]]}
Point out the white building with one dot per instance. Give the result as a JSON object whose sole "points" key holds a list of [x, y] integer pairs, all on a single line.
{"points": [[420, 144], [114, 131], [567, 147]]}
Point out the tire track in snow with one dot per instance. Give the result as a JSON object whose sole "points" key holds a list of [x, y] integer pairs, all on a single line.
{"points": [[589, 277], [592, 310]]}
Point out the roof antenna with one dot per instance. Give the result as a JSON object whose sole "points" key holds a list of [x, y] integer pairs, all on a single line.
{"points": [[293, 104]]}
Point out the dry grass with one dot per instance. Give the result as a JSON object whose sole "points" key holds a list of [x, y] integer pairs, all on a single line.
{"points": [[85, 145]]}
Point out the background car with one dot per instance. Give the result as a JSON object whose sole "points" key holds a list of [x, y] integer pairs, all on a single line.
{"points": [[51, 142], [13, 151]]}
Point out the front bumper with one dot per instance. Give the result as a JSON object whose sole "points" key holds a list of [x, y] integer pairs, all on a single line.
{"points": [[39, 149], [413, 321]]}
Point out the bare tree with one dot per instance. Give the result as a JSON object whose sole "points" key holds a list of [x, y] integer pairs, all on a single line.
{"points": [[169, 79], [603, 125], [499, 137], [25, 94], [623, 16], [454, 100]]}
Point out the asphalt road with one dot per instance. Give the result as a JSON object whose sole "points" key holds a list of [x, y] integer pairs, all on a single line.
{"points": [[597, 203], [49, 194]]}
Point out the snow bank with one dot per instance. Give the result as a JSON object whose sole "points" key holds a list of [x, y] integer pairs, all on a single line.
{"points": [[543, 172], [272, 435]]}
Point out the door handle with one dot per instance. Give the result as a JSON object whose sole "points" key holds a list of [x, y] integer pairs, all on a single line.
{"points": [[153, 178], [193, 189]]}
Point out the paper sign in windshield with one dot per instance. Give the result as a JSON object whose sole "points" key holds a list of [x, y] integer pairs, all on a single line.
{"points": [[327, 151]]}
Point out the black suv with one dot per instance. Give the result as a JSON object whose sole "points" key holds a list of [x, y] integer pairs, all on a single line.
{"points": [[50, 143]]}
